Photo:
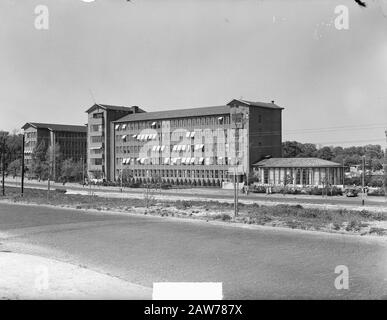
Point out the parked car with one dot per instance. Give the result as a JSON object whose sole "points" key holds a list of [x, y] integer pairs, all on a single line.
{"points": [[351, 192]]}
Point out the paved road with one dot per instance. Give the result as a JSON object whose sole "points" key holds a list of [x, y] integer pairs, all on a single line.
{"points": [[251, 263], [220, 194]]}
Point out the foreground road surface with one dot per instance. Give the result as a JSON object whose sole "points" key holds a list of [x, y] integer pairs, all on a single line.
{"points": [[252, 264]]}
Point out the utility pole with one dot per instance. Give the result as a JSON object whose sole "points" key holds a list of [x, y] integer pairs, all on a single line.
{"points": [[343, 175], [22, 168], [235, 169], [83, 172], [235, 194], [3, 164], [363, 180], [121, 181], [385, 169]]}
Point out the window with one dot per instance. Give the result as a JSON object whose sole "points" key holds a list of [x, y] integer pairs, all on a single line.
{"points": [[260, 118], [98, 115], [265, 175], [96, 127], [96, 139]]}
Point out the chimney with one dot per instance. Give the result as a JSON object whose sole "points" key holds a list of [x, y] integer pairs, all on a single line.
{"points": [[272, 101]]}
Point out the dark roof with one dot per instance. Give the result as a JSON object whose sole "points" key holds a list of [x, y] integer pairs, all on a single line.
{"points": [[168, 114], [295, 163], [55, 127], [270, 105], [108, 107]]}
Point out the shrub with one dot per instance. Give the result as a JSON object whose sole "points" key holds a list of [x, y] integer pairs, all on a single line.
{"points": [[225, 217]]}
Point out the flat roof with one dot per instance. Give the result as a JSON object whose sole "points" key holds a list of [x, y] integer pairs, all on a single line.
{"points": [[55, 127], [296, 163], [193, 112], [179, 113], [108, 107]]}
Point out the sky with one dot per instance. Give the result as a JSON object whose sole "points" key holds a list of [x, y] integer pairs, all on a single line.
{"points": [[174, 54]]}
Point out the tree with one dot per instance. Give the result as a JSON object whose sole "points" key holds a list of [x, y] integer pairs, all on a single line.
{"points": [[39, 165], [325, 153], [53, 158], [291, 149], [14, 167], [71, 170], [308, 150], [288, 179]]}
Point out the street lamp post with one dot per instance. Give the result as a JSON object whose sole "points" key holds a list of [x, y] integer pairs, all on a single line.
{"points": [[3, 135], [22, 168], [385, 169], [363, 180]]}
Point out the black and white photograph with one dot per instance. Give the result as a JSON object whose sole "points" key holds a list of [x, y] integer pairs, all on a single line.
{"points": [[193, 150]]}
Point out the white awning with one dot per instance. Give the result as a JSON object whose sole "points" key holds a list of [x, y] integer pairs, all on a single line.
{"points": [[220, 118], [117, 126], [174, 148], [154, 123], [187, 161], [93, 148], [154, 148], [162, 148], [124, 136], [166, 160], [187, 135], [183, 160], [134, 136], [192, 134], [183, 147], [192, 160], [123, 126], [158, 148], [201, 160]]}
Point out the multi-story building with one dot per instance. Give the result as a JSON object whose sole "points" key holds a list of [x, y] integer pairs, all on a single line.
{"points": [[100, 135], [202, 146], [70, 139]]}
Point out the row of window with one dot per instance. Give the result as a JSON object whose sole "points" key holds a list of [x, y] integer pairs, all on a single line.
{"points": [[183, 148], [122, 162], [96, 139], [203, 174], [183, 122], [297, 176], [96, 128], [30, 135]]}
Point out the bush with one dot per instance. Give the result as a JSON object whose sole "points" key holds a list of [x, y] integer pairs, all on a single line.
{"points": [[376, 192], [61, 191], [259, 189], [225, 217]]}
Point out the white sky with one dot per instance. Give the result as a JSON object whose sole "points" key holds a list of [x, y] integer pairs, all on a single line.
{"points": [[163, 54]]}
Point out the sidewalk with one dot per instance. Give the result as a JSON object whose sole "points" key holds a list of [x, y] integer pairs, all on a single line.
{"points": [[31, 277]]}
